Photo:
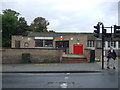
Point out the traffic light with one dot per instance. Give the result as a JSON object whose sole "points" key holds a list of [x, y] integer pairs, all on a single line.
{"points": [[116, 32], [97, 32]]}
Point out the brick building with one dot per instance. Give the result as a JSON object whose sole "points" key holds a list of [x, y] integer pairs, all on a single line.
{"points": [[67, 42], [52, 40]]}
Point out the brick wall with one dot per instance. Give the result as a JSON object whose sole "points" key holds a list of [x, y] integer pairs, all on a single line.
{"points": [[14, 56], [98, 53], [82, 40], [87, 54], [29, 40]]}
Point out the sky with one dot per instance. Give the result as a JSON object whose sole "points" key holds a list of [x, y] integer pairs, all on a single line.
{"points": [[67, 15]]}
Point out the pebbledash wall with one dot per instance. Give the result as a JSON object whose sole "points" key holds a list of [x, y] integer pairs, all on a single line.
{"points": [[14, 56]]}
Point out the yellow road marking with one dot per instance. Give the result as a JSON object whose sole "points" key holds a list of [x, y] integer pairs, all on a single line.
{"points": [[45, 64]]}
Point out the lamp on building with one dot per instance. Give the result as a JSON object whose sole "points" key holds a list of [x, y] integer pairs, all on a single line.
{"points": [[61, 38], [29, 38], [71, 38], [78, 41]]}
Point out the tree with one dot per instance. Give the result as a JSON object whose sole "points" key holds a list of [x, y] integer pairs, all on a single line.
{"points": [[14, 13], [39, 25], [0, 30], [22, 26], [12, 25], [51, 31], [9, 25]]}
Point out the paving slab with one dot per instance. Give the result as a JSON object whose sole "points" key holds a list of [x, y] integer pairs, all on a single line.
{"points": [[53, 67]]}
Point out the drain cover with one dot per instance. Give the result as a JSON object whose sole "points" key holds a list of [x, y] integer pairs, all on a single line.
{"points": [[61, 84]]}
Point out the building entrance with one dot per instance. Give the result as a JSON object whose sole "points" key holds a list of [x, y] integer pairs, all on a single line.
{"points": [[17, 44], [78, 48], [63, 45]]}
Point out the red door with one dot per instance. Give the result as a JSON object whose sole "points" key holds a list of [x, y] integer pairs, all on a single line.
{"points": [[78, 48]]}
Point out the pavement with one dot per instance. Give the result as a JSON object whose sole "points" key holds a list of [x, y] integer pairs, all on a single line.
{"points": [[55, 68]]}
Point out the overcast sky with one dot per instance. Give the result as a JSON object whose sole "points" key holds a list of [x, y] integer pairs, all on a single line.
{"points": [[67, 15]]}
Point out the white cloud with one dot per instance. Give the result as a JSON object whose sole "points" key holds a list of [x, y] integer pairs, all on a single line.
{"points": [[53, 23], [67, 15]]}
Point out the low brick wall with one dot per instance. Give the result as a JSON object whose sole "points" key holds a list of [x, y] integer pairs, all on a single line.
{"points": [[87, 54], [98, 53], [14, 56]]}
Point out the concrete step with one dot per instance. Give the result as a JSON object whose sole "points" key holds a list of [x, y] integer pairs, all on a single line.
{"points": [[73, 55], [74, 59], [82, 61]]}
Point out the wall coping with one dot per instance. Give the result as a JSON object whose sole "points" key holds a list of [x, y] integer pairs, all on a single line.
{"points": [[34, 48]]}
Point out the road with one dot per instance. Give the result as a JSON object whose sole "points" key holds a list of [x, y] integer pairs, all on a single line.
{"points": [[60, 80]]}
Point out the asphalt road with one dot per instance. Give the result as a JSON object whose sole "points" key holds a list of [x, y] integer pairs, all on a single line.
{"points": [[60, 80]]}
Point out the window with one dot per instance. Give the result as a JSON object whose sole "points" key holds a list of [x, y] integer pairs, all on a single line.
{"points": [[62, 44], [43, 43], [91, 43], [108, 43], [38, 43], [113, 44], [48, 43], [17, 43], [118, 44]]}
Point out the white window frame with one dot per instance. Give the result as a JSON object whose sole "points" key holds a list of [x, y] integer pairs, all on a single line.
{"points": [[90, 43]]}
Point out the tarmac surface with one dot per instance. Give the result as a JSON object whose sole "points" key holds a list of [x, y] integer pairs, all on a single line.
{"points": [[59, 75], [60, 80], [55, 67]]}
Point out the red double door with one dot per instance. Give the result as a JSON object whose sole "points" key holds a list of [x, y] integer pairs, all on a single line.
{"points": [[78, 48]]}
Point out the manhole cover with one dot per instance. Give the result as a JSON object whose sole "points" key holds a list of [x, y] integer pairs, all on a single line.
{"points": [[61, 84]]}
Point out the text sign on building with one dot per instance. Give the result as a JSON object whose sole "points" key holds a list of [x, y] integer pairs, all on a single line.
{"points": [[43, 37]]}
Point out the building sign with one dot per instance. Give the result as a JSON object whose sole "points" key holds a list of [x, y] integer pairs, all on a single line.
{"points": [[43, 37], [61, 38]]}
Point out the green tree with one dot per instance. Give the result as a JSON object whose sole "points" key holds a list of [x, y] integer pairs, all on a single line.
{"points": [[51, 31], [9, 25], [14, 13], [12, 25], [0, 30], [22, 26], [39, 25]]}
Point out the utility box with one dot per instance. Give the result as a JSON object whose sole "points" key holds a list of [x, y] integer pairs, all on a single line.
{"points": [[78, 48], [25, 58]]}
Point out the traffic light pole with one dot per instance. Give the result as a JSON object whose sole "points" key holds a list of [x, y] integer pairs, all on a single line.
{"points": [[103, 42], [102, 52], [111, 34], [102, 47], [98, 35], [116, 34]]}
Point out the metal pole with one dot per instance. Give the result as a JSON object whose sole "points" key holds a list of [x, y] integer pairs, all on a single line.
{"points": [[102, 52], [111, 34], [102, 47]]}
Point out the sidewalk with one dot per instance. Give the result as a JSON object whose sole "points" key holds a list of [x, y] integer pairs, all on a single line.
{"points": [[54, 68]]}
